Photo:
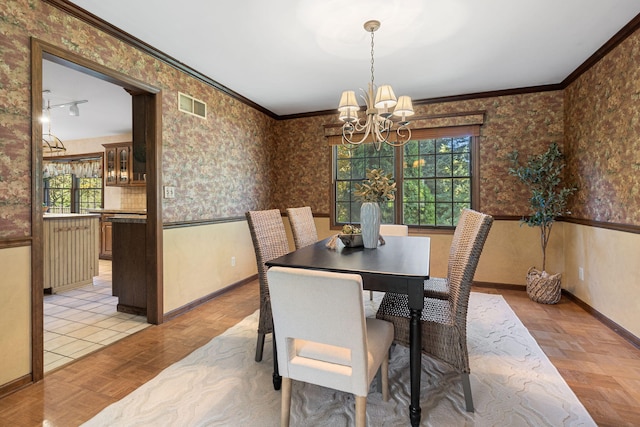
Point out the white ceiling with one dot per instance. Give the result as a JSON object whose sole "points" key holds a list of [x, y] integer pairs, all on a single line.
{"points": [[298, 56], [107, 112]]}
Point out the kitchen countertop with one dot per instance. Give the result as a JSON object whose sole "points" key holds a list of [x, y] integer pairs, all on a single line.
{"points": [[119, 211], [69, 215], [127, 218]]}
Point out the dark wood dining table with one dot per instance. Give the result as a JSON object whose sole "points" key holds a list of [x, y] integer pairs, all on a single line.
{"points": [[400, 265]]}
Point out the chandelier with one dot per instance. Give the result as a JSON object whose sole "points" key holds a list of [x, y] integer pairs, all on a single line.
{"points": [[51, 142], [378, 126]]}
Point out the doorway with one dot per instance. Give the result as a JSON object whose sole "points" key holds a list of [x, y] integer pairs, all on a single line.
{"points": [[149, 109]]}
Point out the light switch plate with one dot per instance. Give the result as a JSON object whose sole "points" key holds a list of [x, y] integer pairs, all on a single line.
{"points": [[169, 192]]}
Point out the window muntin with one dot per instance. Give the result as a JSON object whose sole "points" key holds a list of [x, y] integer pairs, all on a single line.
{"points": [[69, 194], [434, 182], [351, 168]]}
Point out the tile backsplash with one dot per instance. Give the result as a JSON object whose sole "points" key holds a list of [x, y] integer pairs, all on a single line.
{"points": [[133, 198]]}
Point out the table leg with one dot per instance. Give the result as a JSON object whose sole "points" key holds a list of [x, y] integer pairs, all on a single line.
{"points": [[277, 379], [415, 361]]}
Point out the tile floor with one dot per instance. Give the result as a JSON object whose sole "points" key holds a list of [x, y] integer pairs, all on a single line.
{"points": [[82, 320]]}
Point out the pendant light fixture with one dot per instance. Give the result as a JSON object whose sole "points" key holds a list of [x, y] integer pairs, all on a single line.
{"points": [[378, 126], [50, 142]]}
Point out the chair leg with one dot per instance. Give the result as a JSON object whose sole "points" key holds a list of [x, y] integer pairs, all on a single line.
{"points": [[361, 411], [378, 380], [384, 373], [370, 295], [466, 387], [259, 347], [285, 408]]}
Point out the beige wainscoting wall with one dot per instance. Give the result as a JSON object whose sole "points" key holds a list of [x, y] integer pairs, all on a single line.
{"points": [[197, 261], [15, 313], [611, 263], [511, 249]]}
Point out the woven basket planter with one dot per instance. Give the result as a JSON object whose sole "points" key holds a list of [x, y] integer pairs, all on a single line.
{"points": [[543, 287]]}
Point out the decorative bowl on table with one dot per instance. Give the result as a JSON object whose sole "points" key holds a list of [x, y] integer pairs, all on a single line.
{"points": [[351, 240]]}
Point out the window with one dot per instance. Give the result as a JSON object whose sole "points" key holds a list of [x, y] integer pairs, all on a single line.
{"points": [[69, 194], [433, 172], [73, 184], [351, 168]]}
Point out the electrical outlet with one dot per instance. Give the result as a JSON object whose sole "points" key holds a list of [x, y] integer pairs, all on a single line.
{"points": [[580, 273], [233, 261], [169, 192]]}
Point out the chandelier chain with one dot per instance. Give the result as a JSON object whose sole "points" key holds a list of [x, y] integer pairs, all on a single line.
{"points": [[372, 34]]}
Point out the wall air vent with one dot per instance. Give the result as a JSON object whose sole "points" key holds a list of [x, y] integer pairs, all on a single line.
{"points": [[188, 104]]}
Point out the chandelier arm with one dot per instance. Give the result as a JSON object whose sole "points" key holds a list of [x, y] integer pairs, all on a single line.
{"points": [[347, 133], [402, 140]]}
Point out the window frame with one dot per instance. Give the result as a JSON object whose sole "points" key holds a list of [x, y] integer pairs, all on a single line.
{"points": [[75, 188], [420, 134]]}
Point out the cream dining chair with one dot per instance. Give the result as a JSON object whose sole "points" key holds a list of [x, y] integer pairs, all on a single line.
{"points": [[391, 230], [444, 317], [303, 227], [394, 230], [323, 337], [269, 242]]}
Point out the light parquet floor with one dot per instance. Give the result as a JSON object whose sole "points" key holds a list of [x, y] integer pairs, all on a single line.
{"points": [[602, 368]]}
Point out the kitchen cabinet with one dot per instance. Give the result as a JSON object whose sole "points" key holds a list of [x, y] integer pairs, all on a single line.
{"points": [[129, 280], [71, 243], [119, 165], [106, 240]]}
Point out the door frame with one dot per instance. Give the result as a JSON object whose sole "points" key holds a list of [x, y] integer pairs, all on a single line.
{"points": [[152, 95]]}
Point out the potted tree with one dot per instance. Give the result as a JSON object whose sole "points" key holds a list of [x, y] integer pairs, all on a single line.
{"points": [[542, 174]]}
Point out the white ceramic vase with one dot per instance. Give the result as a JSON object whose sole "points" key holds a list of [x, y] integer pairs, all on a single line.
{"points": [[370, 222]]}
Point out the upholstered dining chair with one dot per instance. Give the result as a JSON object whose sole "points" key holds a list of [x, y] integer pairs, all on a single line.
{"points": [[302, 226], [394, 230], [444, 320], [269, 242], [323, 336]]}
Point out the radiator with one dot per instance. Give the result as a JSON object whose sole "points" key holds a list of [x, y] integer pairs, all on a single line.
{"points": [[71, 249]]}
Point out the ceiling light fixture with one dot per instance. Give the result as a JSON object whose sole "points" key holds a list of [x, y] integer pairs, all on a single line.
{"points": [[50, 141], [74, 110], [378, 122]]}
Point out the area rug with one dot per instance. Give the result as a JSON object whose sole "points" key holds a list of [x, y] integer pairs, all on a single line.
{"points": [[220, 384]]}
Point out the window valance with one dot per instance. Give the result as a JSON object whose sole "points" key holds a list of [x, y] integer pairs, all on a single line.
{"points": [[428, 126], [81, 168]]}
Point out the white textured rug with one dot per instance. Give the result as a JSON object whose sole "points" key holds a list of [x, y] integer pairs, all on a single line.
{"points": [[513, 384]]}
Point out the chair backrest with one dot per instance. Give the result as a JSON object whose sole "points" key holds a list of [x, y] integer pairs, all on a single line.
{"points": [[302, 226], [269, 240], [320, 327], [394, 230], [456, 238], [472, 231]]}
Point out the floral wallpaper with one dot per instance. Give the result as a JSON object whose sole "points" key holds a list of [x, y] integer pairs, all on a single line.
{"points": [[219, 165], [602, 127], [529, 122], [239, 159]]}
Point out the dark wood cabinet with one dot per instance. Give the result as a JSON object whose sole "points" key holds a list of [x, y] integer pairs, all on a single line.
{"points": [[129, 263], [106, 239], [120, 168]]}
